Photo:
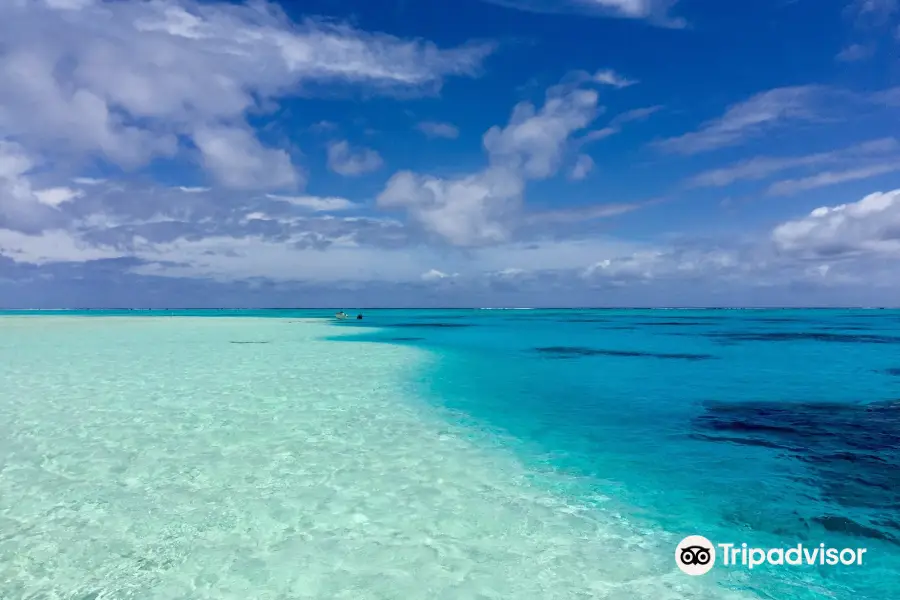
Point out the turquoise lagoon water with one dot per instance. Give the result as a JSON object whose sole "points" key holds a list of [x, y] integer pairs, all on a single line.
{"points": [[444, 454]]}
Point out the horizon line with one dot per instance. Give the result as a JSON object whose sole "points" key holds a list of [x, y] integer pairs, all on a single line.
{"points": [[239, 308]]}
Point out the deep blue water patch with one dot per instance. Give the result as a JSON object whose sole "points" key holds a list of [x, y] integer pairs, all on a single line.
{"points": [[778, 320], [584, 320], [579, 351], [811, 336], [853, 449], [672, 323], [432, 325]]}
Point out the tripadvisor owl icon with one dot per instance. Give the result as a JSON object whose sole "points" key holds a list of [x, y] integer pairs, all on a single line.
{"points": [[695, 555]]}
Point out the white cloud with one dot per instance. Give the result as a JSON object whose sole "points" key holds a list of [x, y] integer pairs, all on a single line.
{"points": [[846, 244], [551, 255], [316, 203], [125, 80], [747, 119], [434, 129], [889, 97], [471, 209], [598, 134], [765, 166], [88, 181], [636, 114], [57, 196], [51, 246], [435, 275], [839, 245], [610, 77], [351, 163], [14, 162], [855, 53], [466, 211], [653, 264], [22, 206], [237, 159], [828, 178], [584, 214], [323, 126], [226, 258], [615, 125], [509, 272], [69, 4], [654, 11], [533, 142], [868, 226], [583, 166], [879, 10]]}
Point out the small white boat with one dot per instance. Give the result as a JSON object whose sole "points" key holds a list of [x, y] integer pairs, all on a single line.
{"points": [[342, 315]]}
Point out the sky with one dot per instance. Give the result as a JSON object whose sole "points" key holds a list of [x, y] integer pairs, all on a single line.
{"points": [[349, 153]]}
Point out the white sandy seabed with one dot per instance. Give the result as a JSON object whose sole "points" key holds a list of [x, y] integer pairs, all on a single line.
{"points": [[152, 458]]}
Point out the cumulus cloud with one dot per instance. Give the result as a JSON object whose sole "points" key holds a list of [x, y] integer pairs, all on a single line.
{"points": [[853, 244], [96, 85], [466, 211], [435, 129], [130, 81], [238, 160], [171, 233], [667, 263], [297, 258], [56, 196], [533, 141], [344, 160], [22, 206], [856, 243], [868, 226], [52, 246], [472, 209], [747, 119]]}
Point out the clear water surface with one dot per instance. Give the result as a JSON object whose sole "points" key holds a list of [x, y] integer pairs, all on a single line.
{"points": [[444, 454]]}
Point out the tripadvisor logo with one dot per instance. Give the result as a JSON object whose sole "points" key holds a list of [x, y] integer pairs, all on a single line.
{"points": [[696, 555]]}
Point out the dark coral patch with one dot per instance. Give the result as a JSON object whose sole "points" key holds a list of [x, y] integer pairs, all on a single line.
{"points": [[432, 325], [774, 336], [853, 450], [672, 323], [577, 351]]}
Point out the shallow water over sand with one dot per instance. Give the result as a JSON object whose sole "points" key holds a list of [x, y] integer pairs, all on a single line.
{"points": [[185, 458]]}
